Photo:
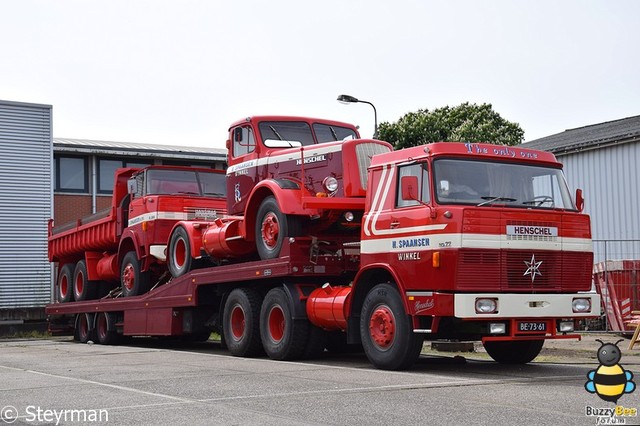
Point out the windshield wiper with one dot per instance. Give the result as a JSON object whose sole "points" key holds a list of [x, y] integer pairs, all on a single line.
{"points": [[333, 133], [490, 200], [273, 129]]}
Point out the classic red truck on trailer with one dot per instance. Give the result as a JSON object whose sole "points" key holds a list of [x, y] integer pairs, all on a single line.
{"points": [[456, 241], [126, 243]]}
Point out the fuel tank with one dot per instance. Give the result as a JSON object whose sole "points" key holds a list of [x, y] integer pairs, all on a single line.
{"points": [[221, 240], [326, 307]]}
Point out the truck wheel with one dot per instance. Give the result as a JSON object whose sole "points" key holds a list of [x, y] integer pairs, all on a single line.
{"points": [[134, 281], [283, 338], [83, 329], [179, 258], [65, 284], [386, 332], [83, 289], [514, 352], [106, 329], [240, 322], [272, 227]]}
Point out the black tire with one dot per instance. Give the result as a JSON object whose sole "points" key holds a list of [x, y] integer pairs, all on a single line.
{"points": [[64, 289], [105, 327], [386, 330], [514, 352], [179, 259], [241, 323], [83, 289], [283, 338], [83, 332], [272, 227], [134, 281]]}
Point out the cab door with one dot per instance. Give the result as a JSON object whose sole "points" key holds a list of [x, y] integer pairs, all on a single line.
{"points": [[243, 168]]}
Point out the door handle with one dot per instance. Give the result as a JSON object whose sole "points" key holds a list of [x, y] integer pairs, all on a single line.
{"points": [[394, 224]]}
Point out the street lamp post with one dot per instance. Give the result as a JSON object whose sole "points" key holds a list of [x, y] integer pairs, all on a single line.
{"points": [[347, 99]]}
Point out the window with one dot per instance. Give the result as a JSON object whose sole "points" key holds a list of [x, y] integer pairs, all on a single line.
{"points": [[107, 169], [291, 131], [485, 183], [326, 133], [243, 141], [419, 171], [71, 174]]}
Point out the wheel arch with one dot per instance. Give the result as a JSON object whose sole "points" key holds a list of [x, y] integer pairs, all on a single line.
{"points": [[366, 279], [287, 194]]}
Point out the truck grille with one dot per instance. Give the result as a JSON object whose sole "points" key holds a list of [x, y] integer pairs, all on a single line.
{"points": [[364, 152], [513, 270]]}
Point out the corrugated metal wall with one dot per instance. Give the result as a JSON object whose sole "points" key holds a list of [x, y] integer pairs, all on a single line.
{"points": [[25, 204], [610, 178]]}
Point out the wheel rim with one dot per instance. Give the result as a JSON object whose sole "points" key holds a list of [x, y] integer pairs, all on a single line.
{"points": [[276, 324], [238, 322], [270, 230], [382, 327], [64, 286], [128, 276], [102, 326], [79, 282], [179, 253]]}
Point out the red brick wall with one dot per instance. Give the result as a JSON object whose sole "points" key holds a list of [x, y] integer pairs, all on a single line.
{"points": [[70, 207]]}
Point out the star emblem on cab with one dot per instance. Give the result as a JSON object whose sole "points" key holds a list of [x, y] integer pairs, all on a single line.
{"points": [[533, 268]]}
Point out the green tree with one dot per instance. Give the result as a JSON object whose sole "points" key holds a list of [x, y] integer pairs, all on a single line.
{"points": [[463, 123]]}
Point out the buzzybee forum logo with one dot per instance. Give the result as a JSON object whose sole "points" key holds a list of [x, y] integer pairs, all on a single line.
{"points": [[610, 381]]}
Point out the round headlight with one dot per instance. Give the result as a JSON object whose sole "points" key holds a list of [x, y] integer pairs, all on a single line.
{"points": [[486, 306], [330, 184], [581, 305]]}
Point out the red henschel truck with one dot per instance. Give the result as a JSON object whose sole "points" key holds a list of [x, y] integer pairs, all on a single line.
{"points": [[126, 243], [454, 241]]}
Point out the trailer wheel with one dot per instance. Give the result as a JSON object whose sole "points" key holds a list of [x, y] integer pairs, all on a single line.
{"points": [[83, 289], [240, 322], [106, 329], [386, 330], [283, 338], [83, 329], [179, 258], [65, 284], [134, 281], [272, 227], [514, 352]]}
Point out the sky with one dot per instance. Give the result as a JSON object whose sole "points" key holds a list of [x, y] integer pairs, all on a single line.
{"points": [[180, 72]]}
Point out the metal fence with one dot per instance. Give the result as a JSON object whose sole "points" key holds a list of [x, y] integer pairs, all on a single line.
{"points": [[616, 276]]}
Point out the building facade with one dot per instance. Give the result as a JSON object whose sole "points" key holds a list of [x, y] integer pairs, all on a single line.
{"points": [[25, 208]]}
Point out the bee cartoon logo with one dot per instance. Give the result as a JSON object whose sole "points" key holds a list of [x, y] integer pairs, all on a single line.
{"points": [[609, 381]]}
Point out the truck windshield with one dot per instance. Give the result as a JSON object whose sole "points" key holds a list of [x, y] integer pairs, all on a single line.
{"points": [[483, 183], [189, 182], [300, 131]]}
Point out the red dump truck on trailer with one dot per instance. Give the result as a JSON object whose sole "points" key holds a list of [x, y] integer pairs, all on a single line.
{"points": [[126, 243], [454, 241]]}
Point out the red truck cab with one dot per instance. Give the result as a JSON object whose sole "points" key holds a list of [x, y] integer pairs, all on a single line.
{"points": [[466, 241], [287, 177]]}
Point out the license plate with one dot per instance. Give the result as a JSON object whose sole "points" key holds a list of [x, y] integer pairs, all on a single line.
{"points": [[532, 326]]}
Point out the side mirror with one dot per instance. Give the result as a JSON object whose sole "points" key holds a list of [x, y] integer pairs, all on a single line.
{"points": [[132, 186], [579, 200], [409, 188]]}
